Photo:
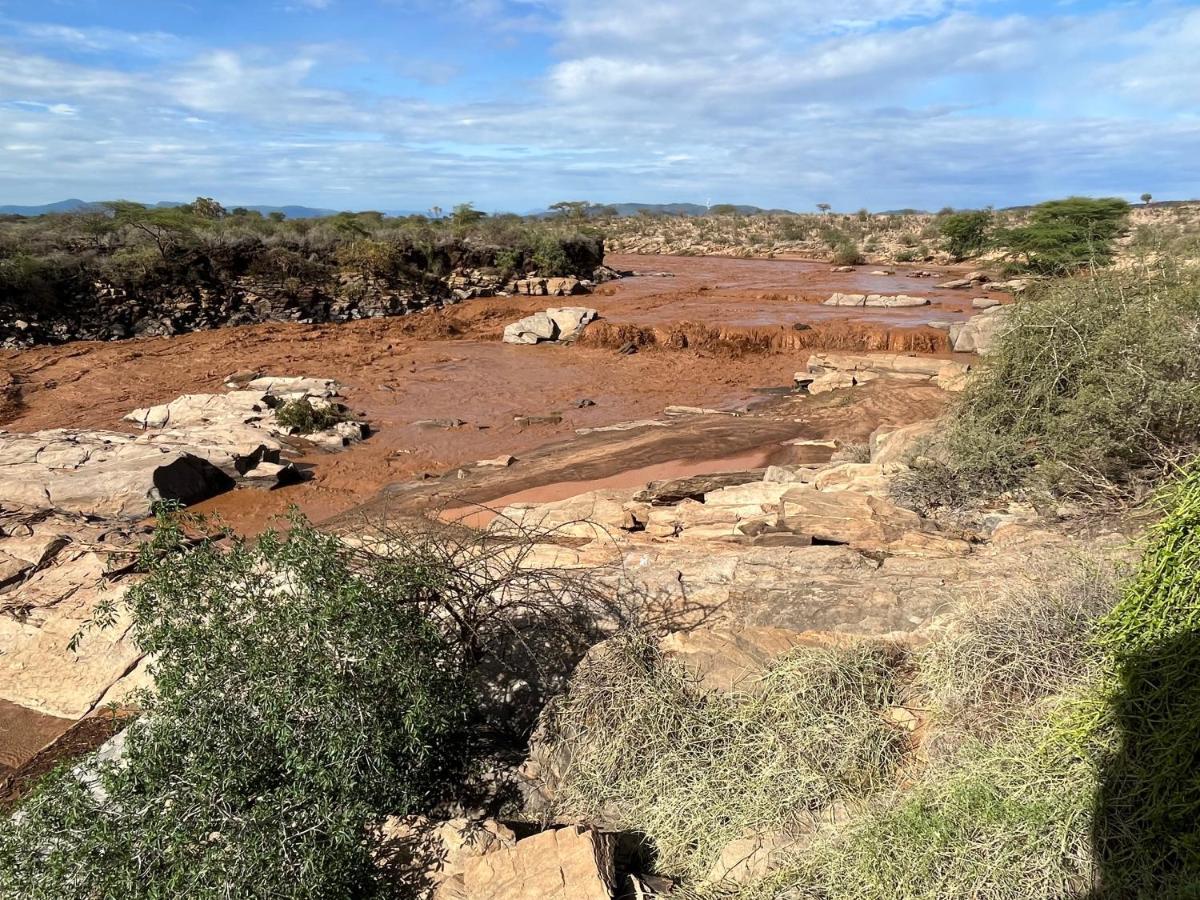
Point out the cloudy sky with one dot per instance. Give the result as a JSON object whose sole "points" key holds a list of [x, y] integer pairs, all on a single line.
{"points": [[514, 104]]}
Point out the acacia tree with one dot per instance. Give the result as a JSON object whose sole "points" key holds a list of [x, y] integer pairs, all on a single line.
{"points": [[965, 232], [1066, 235]]}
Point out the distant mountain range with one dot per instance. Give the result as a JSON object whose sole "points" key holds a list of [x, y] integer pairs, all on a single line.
{"points": [[73, 206]]}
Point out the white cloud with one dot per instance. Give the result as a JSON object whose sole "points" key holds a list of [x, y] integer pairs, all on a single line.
{"points": [[912, 102]]}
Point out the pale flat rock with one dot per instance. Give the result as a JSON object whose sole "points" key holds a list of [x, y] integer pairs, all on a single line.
{"points": [[560, 864], [593, 515], [728, 659], [40, 613], [892, 444], [290, 386], [845, 516], [980, 333], [110, 474]]}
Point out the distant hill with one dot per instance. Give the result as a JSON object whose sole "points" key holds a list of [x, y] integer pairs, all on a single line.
{"points": [[73, 205], [62, 206]]}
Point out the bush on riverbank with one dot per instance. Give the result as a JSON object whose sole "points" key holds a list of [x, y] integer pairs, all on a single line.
{"points": [[1093, 389], [46, 261], [305, 688], [692, 770]]}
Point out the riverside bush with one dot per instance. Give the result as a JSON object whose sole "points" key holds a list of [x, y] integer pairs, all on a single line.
{"points": [[1094, 385], [297, 702]]}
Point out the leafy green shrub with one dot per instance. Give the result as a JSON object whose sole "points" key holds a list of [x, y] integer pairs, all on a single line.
{"points": [[1147, 831], [305, 418], [1067, 235], [549, 258], [966, 233], [297, 702], [847, 254], [1094, 382], [693, 770]]}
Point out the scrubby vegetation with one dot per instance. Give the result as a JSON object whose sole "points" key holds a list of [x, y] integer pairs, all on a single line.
{"points": [[1063, 236], [1057, 757], [966, 233], [296, 703], [304, 690], [305, 418], [691, 770], [140, 250], [1093, 388]]}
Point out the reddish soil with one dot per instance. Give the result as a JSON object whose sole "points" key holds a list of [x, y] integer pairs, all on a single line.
{"points": [[23, 733], [72, 741], [450, 365]]}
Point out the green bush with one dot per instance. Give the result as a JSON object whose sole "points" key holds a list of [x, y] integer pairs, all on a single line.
{"points": [[847, 254], [692, 770], [305, 418], [1094, 383], [1147, 828], [1064, 236], [297, 702], [966, 233]]}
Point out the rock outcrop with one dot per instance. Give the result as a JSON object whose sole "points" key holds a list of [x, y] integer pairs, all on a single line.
{"points": [[559, 324], [979, 333], [831, 371], [55, 572], [877, 300], [192, 448]]}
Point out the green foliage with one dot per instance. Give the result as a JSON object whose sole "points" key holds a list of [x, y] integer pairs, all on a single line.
{"points": [[692, 770], [465, 214], [549, 258], [846, 254], [1093, 383], [1148, 820], [1067, 235], [298, 700], [1007, 822], [966, 233], [306, 418]]}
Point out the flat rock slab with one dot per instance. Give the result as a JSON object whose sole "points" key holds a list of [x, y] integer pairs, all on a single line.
{"points": [[70, 566], [560, 864]]}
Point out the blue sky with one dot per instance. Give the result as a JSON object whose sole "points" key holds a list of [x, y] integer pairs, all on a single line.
{"points": [[514, 104]]}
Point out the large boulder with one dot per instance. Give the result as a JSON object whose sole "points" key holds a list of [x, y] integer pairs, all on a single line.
{"points": [[531, 330], [561, 324], [979, 333], [571, 320], [110, 474]]}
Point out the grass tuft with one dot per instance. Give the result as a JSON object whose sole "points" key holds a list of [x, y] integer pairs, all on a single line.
{"points": [[692, 770]]}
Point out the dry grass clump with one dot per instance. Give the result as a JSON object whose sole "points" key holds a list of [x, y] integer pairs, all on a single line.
{"points": [[692, 770], [1000, 657], [1008, 822]]}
